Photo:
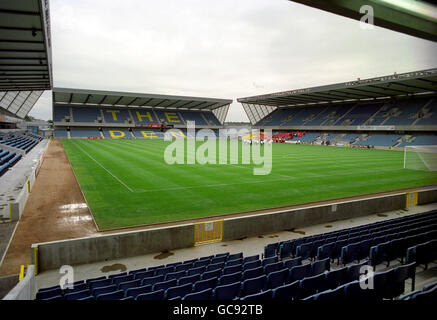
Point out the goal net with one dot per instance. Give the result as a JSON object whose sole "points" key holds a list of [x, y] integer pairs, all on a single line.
{"points": [[420, 158]]}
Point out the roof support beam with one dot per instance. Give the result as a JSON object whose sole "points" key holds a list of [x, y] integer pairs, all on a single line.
{"points": [[101, 101], [20, 12]]}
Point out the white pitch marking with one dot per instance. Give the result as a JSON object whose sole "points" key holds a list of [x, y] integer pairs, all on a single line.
{"points": [[127, 187]]}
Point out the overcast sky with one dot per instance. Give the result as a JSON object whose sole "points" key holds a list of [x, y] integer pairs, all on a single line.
{"points": [[219, 49]]}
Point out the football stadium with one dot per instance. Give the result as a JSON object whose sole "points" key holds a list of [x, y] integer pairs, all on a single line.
{"points": [[328, 193]]}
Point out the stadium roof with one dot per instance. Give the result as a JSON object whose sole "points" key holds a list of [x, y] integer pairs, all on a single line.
{"points": [[25, 55], [25, 45], [415, 18], [396, 85], [18, 103], [128, 99]]}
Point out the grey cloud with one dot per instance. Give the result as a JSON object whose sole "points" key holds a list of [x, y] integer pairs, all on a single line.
{"points": [[218, 48]]}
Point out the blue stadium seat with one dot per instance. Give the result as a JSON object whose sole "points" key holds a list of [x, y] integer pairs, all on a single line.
{"points": [[152, 280], [144, 274], [205, 284], [354, 292], [400, 274], [230, 278], [252, 273], [201, 263], [267, 261], [58, 297], [116, 295], [251, 264], [299, 272], [175, 275], [121, 279], [103, 290], [285, 250], [287, 292], [325, 251], [254, 285], [350, 253], [165, 285], [382, 282], [335, 278], [95, 279], [311, 285], [134, 292], [154, 295], [232, 269], [251, 259], [116, 275], [77, 295], [273, 267], [333, 295], [200, 295], [262, 296], [353, 271], [129, 284], [76, 287], [178, 291], [320, 266], [211, 274], [276, 278], [99, 283], [234, 262], [292, 262], [270, 250], [227, 292], [219, 259], [183, 267], [189, 279], [193, 271], [165, 270], [215, 266]]}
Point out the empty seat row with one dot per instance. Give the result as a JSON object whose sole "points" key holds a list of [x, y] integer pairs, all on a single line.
{"points": [[307, 247], [428, 293]]}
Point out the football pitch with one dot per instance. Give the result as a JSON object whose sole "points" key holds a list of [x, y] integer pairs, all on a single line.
{"points": [[128, 183]]}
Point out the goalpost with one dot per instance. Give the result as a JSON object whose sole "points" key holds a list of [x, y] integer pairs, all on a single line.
{"points": [[420, 158]]}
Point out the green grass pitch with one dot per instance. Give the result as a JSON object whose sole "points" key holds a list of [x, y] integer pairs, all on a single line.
{"points": [[127, 182]]}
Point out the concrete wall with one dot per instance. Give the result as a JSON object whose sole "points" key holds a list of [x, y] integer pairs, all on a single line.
{"points": [[427, 196], [236, 228], [25, 289], [52, 255]]}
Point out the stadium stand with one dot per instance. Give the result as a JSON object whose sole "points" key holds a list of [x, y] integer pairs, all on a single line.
{"points": [[300, 269], [85, 114], [386, 140], [25, 142], [84, 133], [125, 120], [194, 116], [428, 293], [60, 133], [359, 114], [116, 133], [147, 133], [144, 116], [116, 115]]}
